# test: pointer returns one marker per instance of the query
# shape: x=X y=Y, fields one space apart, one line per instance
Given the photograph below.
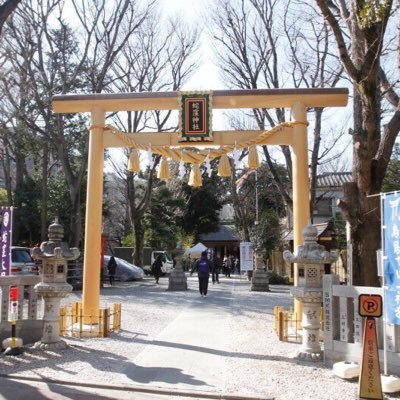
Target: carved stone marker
x=259 y=280
x=177 y=278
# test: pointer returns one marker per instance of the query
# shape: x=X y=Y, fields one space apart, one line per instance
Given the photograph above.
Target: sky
x=206 y=77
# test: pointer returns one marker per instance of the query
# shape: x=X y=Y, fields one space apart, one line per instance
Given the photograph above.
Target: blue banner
x=6 y=235
x=391 y=249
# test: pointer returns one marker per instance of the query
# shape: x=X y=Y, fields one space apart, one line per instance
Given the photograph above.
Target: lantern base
x=177 y=280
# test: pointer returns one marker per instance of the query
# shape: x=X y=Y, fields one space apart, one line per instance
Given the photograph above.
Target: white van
x=149 y=256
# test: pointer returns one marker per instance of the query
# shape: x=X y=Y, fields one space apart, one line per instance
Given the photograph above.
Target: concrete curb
x=137 y=388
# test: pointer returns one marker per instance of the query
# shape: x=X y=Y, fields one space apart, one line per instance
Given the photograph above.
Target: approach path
x=178 y=345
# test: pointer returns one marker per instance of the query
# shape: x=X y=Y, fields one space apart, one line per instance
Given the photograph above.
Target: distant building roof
x=224 y=234
x=322 y=229
x=333 y=179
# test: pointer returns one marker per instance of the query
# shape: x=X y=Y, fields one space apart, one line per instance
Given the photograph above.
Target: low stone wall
x=29 y=323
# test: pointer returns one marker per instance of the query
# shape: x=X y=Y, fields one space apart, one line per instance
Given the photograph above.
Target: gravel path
x=256 y=363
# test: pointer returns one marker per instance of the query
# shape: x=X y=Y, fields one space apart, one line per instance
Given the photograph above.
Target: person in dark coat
x=203 y=266
x=217 y=265
x=111 y=267
x=156 y=268
x=228 y=266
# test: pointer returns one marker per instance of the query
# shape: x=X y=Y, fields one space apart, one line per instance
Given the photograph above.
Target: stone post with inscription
x=54 y=255
x=259 y=280
x=177 y=279
x=310 y=258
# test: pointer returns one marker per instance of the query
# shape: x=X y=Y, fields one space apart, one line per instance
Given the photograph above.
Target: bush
x=276 y=279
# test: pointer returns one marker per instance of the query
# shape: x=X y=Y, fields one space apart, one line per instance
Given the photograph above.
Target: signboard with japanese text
x=391 y=252
x=5 y=245
x=195 y=111
x=246 y=256
x=369 y=384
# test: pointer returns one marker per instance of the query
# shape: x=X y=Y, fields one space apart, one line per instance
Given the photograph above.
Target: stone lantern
x=54 y=256
x=310 y=258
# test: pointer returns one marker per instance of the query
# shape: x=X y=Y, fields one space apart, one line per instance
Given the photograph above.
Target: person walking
x=228 y=267
x=217 y=265
x=203 y=266
x=111 y=267
x=156 y=268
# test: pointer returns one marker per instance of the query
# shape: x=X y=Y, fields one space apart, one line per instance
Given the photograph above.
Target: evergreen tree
x=202 y=207
x=391 y=182
x=162 y=229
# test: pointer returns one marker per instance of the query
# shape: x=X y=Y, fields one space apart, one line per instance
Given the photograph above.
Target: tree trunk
x=139 y=241
x=75 y=223
x=6 y=9
x=6 y=161
x=19 y=184
x=363 y=213
x=44 y=193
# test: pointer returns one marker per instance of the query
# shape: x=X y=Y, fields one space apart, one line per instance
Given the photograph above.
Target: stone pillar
x=259 y=280
x=310 y=258
x=54 y=255
x=177 y=278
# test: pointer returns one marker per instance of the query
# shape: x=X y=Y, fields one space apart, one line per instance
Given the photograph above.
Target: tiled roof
x=224 y=234
x=321 y=228
x=333 y=179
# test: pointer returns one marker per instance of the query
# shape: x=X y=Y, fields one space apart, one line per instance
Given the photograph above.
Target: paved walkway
x=186 y=360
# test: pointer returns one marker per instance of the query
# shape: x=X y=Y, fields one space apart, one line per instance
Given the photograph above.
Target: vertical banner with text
x=391 y=252
x=6 y=235
x=246 y=256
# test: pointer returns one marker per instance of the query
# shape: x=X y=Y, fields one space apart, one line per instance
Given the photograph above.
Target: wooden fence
x=74 y=323
x=287 y=324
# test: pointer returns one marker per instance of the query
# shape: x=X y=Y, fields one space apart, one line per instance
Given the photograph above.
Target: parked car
x=22 y=262
x=125 y=271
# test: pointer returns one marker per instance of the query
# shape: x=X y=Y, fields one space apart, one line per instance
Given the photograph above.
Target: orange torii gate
x=295 y=135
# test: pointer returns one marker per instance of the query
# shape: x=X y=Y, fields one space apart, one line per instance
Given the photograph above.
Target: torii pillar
x=301 y=187
x=93 y=220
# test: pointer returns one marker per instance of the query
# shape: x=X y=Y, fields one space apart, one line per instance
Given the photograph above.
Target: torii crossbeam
x=298 y=100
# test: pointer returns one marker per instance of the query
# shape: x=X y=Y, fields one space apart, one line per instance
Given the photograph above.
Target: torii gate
x=298 y=100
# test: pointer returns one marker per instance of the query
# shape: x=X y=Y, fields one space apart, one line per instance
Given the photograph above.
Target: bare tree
x=155 y=60
x=360 y=30
x=257 y=48
x=60 y=58
x=312 y=65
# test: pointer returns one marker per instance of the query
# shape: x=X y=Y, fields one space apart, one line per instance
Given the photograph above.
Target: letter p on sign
x=370 y=305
